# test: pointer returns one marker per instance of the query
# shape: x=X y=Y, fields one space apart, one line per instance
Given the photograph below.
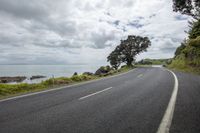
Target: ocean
x=44 y=70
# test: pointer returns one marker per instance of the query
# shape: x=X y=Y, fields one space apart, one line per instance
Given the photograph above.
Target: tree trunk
x=129 y=62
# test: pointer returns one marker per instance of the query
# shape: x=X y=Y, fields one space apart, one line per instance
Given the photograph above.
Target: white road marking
x=167 y=118
x=95 y=93
x=140 y=75
x=64 y=87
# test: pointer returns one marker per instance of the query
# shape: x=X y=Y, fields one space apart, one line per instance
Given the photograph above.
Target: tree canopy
x=114 y=59
x=127 y=50
x=188 y=7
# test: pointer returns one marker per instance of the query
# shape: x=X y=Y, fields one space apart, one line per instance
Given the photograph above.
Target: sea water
x=44 y=70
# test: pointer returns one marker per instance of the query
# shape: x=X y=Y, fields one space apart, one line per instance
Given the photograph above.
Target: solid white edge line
x=165 y=124
x=95 y=93
x=54 y=89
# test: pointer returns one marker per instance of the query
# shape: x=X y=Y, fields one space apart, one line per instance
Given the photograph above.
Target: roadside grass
x=187 y=59
x=9 y=90
x=181 y=64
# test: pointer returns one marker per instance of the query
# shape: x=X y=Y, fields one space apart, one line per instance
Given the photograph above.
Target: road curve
x=132 y=102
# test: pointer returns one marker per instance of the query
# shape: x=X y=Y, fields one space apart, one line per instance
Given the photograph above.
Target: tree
x=128 y=49
x=188 y=7
x=194 y=30
x=114 y=59
x=180 y=48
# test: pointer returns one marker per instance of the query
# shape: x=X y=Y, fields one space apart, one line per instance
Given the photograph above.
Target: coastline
x=11 y=90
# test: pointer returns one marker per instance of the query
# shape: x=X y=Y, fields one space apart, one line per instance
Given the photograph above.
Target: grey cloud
x=102 y=39
x=116 y=22
x=136 y=24
x=24 y=9
x=39 y=15
x=65 y=28
x=153 y=15
x=48 y=31
x=58 y=43
x=165 y=45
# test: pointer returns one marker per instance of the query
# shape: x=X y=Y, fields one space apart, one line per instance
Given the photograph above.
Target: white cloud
x=84 y=32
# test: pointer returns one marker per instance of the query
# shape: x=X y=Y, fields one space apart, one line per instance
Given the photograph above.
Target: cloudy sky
x=84 y=31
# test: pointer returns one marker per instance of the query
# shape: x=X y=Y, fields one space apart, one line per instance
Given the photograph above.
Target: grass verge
x=180 y=63
x=9 y=90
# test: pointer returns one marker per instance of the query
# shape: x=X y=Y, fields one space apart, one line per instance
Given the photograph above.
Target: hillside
x=187 y=56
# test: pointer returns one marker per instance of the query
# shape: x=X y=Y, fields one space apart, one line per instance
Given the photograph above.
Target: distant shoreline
x=7 y=90
x=18 y=79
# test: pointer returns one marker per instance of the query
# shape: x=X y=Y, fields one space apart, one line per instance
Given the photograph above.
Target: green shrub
x=195 y=42
x=62 y=80
x=78 y=78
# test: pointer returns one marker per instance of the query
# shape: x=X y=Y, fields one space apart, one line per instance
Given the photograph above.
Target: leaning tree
x=114 y=59
x=128 y=49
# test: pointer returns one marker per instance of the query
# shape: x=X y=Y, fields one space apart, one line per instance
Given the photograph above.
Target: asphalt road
x=134 y=102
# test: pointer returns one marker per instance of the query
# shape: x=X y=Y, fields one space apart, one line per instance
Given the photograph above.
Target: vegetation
x=188 y=7
x=194 y=30
x=180 y=48
x=115 y=59
x=16 y=89
x=187 y=56
x=127 y=50
x=124 y=53
x=154 y=62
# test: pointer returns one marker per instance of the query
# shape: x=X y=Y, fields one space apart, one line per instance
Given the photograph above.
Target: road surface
x=135 y=102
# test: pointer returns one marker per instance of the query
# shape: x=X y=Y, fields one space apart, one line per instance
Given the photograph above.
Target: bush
x=103 y=70
x=78 y=78
x=195 y=29
x=195 y=42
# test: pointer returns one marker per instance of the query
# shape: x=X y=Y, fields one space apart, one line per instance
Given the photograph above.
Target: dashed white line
x=167 y=118
x=95 y=93
x=140 y=75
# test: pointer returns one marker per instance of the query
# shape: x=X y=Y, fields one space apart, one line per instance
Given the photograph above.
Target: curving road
x=135 y=102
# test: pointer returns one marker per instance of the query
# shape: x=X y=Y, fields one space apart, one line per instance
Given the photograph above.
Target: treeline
x=187 y=55
x=154 y=62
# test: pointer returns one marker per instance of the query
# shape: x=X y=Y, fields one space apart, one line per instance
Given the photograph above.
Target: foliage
x=195 y=42
x=180 y=48
x=60 y=80
x=6 y=89
x=125 y=68
x=103 y=70
x=194 y=30
x=114 y=59
x=187 y=56
x=188 y=59
x=128 y=49
x=181 y=63
x=12 y=89
x=188 y=7
x=153 y=62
